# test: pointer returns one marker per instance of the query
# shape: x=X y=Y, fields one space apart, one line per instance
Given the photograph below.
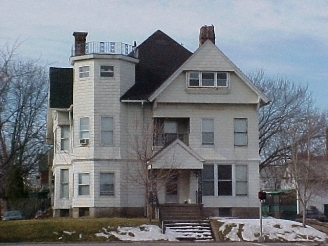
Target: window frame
x=233 y=178
x=206 y=132
x=84 y=71
x=209 y=180
x=64 y=184
x=65 y=138
x=107 y=73
x=83 y=185
x=109 y=131
x=104 y=192
x=225 y=180
x=84 y=131
x=240 y=132
x=199 y=77
x=241 y=180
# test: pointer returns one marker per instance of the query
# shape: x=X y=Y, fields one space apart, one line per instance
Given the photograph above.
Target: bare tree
x=308 y=167
x=289 y=103
x=23 y=97
x=141 y=154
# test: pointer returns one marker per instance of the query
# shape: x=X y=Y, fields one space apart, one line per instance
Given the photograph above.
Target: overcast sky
x=285 y=38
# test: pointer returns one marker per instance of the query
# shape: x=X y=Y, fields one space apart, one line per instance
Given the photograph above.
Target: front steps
x=187 y=221
x=191 y=231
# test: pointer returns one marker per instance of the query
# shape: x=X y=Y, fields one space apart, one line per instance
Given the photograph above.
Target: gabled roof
x=177 y=155
x=159 y=57
x=229 y=67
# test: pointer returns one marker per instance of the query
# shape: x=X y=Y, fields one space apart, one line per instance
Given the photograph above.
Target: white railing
x=117 y=48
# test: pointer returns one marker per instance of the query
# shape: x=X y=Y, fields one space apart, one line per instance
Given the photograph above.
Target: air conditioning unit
x=84 y=141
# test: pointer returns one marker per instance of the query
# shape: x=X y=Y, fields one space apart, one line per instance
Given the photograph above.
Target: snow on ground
x=272 y=229
x=233 y=229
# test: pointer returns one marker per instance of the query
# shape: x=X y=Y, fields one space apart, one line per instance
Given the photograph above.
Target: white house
x=204 y=106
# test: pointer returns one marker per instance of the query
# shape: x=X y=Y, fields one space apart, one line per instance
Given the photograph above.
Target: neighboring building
x=204 y=106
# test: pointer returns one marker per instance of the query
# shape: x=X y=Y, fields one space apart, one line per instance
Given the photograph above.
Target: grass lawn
x=62 y=230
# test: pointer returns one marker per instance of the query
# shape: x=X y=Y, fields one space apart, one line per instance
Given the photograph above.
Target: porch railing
x=167 y=138
x=117 y=48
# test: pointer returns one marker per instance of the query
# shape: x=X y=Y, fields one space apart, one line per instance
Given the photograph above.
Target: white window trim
x=81 y=184
x=110 y=72
x=62 y=183
x=84 y=74
x=207 y=144
x=233 y=179
x=101 y=131
x=62 y=138
x=239 y=133
x=215 y=85
x=107 y=195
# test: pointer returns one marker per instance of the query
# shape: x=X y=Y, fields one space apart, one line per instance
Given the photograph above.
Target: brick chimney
x=206 y=32
x=80 y=38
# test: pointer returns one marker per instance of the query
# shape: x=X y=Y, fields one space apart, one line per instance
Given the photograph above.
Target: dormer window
x=208 y=79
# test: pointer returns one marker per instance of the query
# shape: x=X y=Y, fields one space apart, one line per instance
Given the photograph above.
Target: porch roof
x=177 y=155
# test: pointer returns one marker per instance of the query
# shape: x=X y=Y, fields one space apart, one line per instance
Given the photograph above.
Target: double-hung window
x=207 y=132
x=107 y=127
x=241 y=180
x=64 y=183
x=84 y=184
x=224 y=180
x=84 y=72
x=64 y=138
x=106 y=71
x=208 y=79
x=107 y=184
x=240 y=132
x=208 y=180
x=84 y=130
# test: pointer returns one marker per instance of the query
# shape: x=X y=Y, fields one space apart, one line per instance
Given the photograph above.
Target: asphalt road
x=170 y=243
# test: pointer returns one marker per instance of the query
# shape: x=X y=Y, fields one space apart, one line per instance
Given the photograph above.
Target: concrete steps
x=186 y=220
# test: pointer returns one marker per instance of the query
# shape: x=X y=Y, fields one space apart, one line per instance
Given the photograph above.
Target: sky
x=272 y=229
x=285 y=39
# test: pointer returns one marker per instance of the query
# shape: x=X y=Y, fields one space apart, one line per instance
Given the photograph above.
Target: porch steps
x=191 y=231
x=187 y=221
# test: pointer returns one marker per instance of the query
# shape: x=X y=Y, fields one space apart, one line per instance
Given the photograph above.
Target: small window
x=194 y=79
x=207 y=132
x=208 y=79
x=64 y=183
x=225 y=212
x=84 y=72
x=222 y=79
x=208 y=180
x=240 y=132
x=224 y=180
x=106 y=71
x=107 y=184
x=84 y=184
x=107 y=127
x=64 y=138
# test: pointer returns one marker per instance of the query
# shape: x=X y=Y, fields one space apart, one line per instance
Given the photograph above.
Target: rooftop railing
x=116 y=48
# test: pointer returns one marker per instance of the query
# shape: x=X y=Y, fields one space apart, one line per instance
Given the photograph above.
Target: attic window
x=207 y=79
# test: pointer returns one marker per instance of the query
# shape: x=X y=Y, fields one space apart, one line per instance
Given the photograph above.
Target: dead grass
x=62 y=230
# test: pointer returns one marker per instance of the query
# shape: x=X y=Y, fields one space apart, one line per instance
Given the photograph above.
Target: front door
x=171 y=190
